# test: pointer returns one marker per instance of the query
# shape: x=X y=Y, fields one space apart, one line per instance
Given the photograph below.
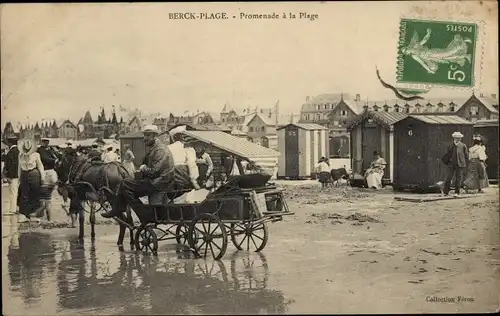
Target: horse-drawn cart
x=240 y=210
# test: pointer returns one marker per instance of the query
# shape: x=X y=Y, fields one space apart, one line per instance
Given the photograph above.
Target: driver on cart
x=156 y=174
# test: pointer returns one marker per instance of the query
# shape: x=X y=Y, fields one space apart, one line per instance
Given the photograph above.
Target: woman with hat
x=31 y=177
x=128 y=159
x=476 y=170
x=185 y=168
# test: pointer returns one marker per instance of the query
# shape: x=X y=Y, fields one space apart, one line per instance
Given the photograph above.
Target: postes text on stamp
x=436 y=52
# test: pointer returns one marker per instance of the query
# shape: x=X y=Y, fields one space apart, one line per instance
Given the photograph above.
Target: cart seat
x=165 y=197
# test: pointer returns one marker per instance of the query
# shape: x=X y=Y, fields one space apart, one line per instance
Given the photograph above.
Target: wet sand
x=344 y=251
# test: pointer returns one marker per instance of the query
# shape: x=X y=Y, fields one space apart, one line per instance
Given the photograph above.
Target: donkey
x=95 y=182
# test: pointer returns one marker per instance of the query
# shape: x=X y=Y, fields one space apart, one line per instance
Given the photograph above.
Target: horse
x=97 y=183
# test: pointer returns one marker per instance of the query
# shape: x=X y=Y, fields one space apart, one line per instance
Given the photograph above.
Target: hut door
x=371 y=143
x=411 y=155
x=292 y=153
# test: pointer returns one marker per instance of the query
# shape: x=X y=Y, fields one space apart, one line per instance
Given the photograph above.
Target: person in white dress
x=185 y=167
x=109 y=155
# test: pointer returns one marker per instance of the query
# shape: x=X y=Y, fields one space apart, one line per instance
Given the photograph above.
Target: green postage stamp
x=437 y=53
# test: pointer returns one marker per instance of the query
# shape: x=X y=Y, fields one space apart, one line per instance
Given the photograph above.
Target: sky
x=60 y=60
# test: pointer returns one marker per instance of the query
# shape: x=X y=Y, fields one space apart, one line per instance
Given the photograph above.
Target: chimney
x=307 y=98
x=480 y=95
x=358 y=97
x=494 y=96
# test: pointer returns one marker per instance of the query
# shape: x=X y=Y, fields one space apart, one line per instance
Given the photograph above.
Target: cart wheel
x=182 y=236
x=146 y=240
x=211 y=235
x=249 y=236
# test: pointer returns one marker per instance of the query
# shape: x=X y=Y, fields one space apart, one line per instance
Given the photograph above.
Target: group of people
x=470 y=163
x=31 y=176
x=373 y=175
x=175 y=168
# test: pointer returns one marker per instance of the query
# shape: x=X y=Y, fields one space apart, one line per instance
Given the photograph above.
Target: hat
x=151 y=129
x=95 y=145
x=45 y=139
x=457 y=135
x=177 y=130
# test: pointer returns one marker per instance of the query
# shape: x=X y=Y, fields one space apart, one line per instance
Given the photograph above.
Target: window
x=474 y=110
x=375 y=108
x=223 y=120
x=386 y=108
x=452 y=107
x=326 y=106
x=318 y=116
x=396 y=109
x=343 y=113
x=262 y=129
x=250 y=129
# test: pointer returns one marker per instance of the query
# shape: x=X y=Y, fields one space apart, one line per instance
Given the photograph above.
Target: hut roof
x=385 y=119
x=306 y=126
x=440 y=119
x=482 y=123
x=138 y=134
x=204 y=127
x=232 y=144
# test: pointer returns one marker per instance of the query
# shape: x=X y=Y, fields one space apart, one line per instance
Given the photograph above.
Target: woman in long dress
x=323 y=170
x=31 y=177
x=476 y=171
x=128 y=159
x=374 y=174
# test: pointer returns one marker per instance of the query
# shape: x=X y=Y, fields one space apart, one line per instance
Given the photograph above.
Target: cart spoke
x=201 y=245
x=248 y=243
x=220 y=248
x=241 y=242
x=253 y=241
x=206 y=249
x=213 y=254
x=258 y=237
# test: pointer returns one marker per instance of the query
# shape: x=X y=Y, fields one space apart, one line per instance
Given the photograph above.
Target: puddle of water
x=43 y=274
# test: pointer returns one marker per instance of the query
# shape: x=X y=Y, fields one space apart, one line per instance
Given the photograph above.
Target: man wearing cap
x=10 y=172
x=94 y=153
x=455 y=159
x=157 y=173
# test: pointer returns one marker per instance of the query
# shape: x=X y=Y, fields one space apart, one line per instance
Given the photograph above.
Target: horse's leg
x=130 y=220
x=81 y=220
x=121 y=235
x=92 y=220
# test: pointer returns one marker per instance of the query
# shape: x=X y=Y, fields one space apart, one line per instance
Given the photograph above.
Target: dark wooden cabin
x=373 y=131
x=488 y=129
x=420 y=143
x=136 y=142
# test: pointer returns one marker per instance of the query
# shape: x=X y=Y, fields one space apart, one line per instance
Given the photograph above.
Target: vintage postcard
x=250 y=157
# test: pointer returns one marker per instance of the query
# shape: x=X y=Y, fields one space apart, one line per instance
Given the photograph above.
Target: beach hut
x=136 y=142
x=301 y=146
x=420 y=142
x=488 y=129
x=373 y=131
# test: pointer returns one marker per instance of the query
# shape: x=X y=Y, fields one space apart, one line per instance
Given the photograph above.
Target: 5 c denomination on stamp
x=437 y=52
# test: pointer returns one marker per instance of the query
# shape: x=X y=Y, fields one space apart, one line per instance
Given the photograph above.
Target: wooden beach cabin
x=301 y=146
x=373 y=131
x=488 y=129
x=421 y=141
